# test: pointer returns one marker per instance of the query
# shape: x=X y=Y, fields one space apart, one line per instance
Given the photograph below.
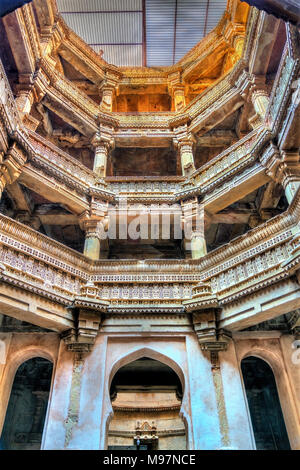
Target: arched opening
x=266 y=415
x=27 y=406
x=146 y=397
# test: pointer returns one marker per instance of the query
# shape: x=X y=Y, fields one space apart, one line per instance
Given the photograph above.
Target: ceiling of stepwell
x=142 y=32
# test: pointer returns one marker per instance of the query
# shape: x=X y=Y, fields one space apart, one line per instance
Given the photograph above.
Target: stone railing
x=222 y=167
x=257 y=259
x=54 y=157
x=281 y=89
x=145 y=186
x=64 y=86
x=37 y=263
x=227 y=163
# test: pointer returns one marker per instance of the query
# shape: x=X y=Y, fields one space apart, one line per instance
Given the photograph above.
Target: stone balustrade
x=257 y=259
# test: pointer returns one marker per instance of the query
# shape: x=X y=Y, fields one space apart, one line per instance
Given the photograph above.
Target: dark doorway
x=26 y=411
x=264 y=405
x=146 y=397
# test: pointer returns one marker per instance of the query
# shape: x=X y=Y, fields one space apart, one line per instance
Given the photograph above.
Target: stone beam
x=287 y=10
x=25 y=306
x=264 y=305
x=234 y=190
x=290 y=136
x=19 y=43
x=69 y=113
x=230 y=217
x=212 y=117
x=45 y=17
x=262 y=48
x=40 y=183
x=81 y=62
x=58 y=219
x=217 y=138
x=17 y=195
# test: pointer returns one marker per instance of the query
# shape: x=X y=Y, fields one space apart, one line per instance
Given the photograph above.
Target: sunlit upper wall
x=137 y=33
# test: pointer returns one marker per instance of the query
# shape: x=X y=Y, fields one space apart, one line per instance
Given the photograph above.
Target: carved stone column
x=187 y=157
x=95 y=224
x=260 y=99
x=107 y=99
x=100 y=160
x=102 y=142
x=178 y=98
x=193 y=227
x=92 y=241
x=177 y=91
x=198 y=245
x=290 y=173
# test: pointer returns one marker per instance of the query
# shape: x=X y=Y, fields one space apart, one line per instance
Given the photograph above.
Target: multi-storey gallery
x=150 y=227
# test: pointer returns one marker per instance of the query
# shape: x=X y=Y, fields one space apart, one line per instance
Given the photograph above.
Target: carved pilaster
x=75 y=392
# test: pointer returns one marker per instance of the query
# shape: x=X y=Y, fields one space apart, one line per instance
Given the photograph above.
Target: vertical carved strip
x=218 y=384
x=74 y=403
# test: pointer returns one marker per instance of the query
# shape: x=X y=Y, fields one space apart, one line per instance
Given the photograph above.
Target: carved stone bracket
x=82 y=337
x=204 y=308
x=11 y=166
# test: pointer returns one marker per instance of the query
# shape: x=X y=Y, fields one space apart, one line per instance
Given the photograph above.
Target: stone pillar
x=259 y=97
x=193 y=227
x=239 y=428
x=178 y=98
x=198 y=245
x=106 y=104
x=100 y=160
x=186 y=157
x=260 y=100
x=290 y=173
x=92 y=239
x=56 y=425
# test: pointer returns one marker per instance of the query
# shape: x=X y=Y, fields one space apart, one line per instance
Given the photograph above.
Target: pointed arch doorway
x=27 y=406
x=146 y=397
x=264 y=405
